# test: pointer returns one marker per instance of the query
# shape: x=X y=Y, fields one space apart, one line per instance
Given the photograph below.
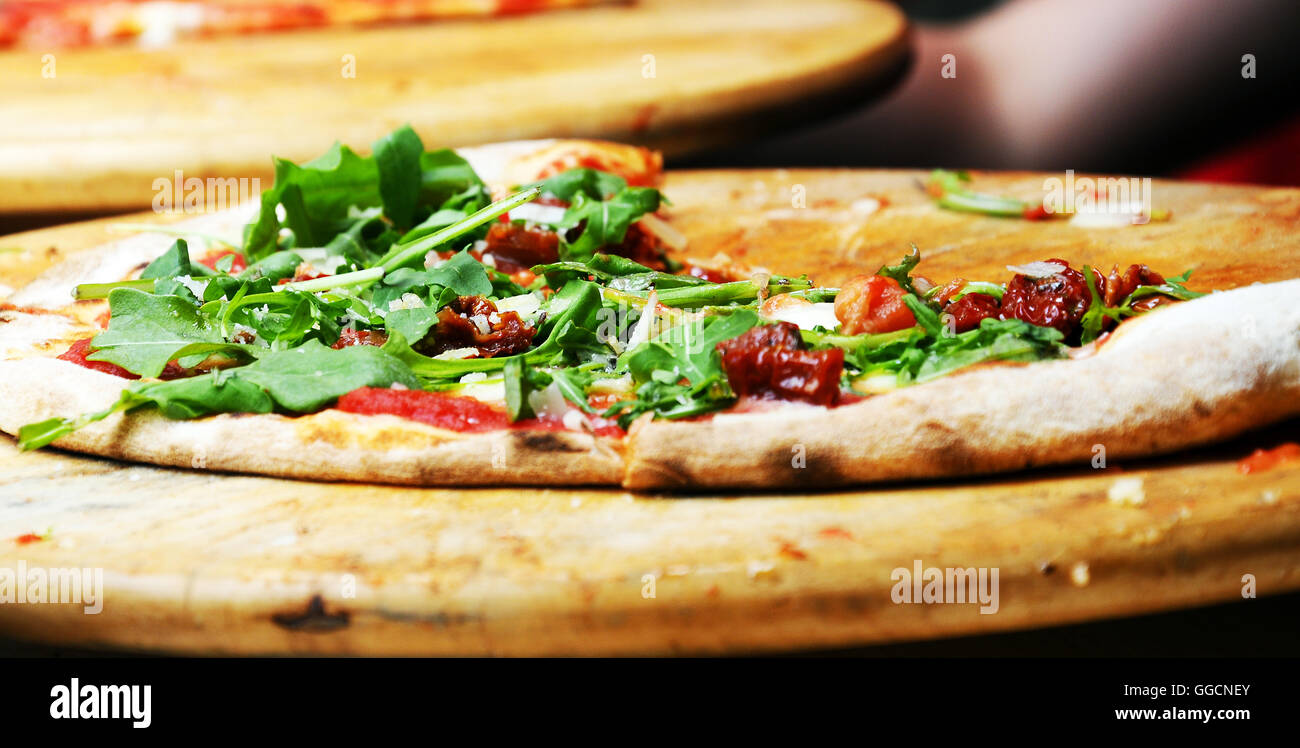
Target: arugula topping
x=953 y=192
x=902 y=272
x=299 y=380
x=1094 y=319
x=146 y=331
x=602 y=204
x=679 y=374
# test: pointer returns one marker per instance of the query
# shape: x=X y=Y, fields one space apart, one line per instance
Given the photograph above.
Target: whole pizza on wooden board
x=521 y=314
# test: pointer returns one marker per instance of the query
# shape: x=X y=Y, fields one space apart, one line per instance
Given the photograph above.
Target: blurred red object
x=1272 y=159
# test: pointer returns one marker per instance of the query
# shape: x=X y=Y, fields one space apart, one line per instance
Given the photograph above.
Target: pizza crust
x=330 y=445
x=1184 y=375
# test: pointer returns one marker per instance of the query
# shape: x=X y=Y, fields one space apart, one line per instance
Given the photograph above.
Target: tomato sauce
x=80 y=350
x=1267 y=459
x=238 y=265
x=451 y=412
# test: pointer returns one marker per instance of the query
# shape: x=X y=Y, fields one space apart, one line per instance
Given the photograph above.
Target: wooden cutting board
x=204 y=563
x=674 y=75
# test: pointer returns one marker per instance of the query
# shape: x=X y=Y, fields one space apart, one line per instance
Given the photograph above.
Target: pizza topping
x=81 y=350
x=1267 y=459
x=349 y=337
x=1056 y=299
x=434 y=408
x=1086 y=206
x=770 y=361
x=474 y=322
x=217 y=260
x=520 y=246
x=418 y=291
x=1118 y=286
x=872 y=304
x=971 y=309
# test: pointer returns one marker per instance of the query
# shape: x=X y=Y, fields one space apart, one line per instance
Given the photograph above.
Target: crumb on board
x=1127 y=491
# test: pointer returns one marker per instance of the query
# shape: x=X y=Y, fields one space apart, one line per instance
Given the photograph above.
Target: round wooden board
x=674 y=75
x=205 y=563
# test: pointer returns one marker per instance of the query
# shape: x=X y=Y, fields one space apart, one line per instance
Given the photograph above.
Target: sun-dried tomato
x=350 y=337
x=1118 y=287
x=474 y=322
x=769 y=362
x=1058 y=300
x=517 y=247
x=971 y=309
x=639 y=245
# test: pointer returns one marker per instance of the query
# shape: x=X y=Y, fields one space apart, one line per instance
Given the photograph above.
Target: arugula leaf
x=993 y=340
x=575 y=305
x=300 y=380
x=447 y=180
x=902 y=272
x=461 y=275
x=520 y=381
x=926 y=317
x=605 y=221
x=717 y=294
x=274 y=267
x=311 y=376
x=680 y=373
x=175 y=261
x=146 y=331
x=568 y=184
x=316 y=197
x=953 y=193
x=616 y=272
x=411 y=324
x=397 y=156
x=1171 y=287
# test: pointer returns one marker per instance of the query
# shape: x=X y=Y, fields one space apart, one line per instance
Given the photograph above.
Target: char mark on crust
x=547 y=441
x=314 y=619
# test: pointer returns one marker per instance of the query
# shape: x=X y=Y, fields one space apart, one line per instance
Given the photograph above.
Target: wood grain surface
x=96 y=133
x=205 y=563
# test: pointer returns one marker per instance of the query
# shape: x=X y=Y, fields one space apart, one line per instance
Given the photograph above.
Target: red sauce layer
x=79 y=351
x=452 y=412
x=238 y=265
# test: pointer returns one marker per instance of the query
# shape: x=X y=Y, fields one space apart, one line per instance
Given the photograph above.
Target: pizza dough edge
x=1190 y=374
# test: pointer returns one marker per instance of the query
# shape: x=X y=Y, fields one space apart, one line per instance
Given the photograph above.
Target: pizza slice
x=44 y=24
x=520 y=314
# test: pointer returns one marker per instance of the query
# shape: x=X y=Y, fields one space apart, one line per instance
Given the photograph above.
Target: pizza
x=521 y=313
x=44 y=24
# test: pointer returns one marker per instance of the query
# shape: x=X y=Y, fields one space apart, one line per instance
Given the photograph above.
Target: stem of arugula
x=400 y=255
x=356 y=277
x=102 y=290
